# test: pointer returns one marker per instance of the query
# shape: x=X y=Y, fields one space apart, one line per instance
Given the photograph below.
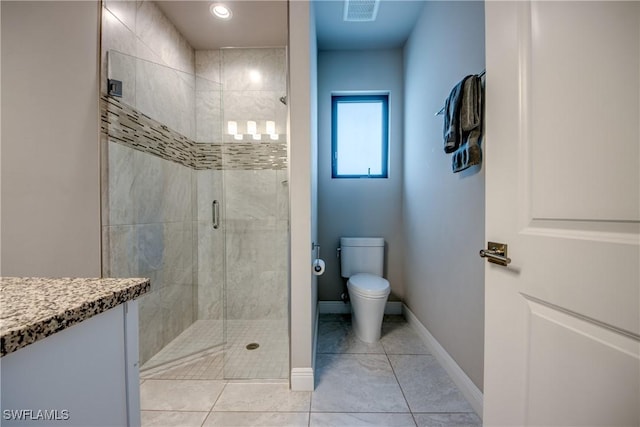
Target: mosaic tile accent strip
x=127 y=126
x=207 y=156
x=34 y=308
x=252 y=156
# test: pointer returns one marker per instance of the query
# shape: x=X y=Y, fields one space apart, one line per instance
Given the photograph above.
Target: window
x=359 y=136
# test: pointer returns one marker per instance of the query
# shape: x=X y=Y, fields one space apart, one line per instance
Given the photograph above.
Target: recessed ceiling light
x=220 y=11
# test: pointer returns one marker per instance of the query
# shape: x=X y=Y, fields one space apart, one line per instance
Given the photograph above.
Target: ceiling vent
x=360 y=10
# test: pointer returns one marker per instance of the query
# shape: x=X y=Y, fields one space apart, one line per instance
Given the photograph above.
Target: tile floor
x=200 y=336
x=197 y=353
x=270 y=360
x=394 y=382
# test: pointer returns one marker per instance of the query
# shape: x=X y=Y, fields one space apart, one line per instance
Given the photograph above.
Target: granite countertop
x=32 y=308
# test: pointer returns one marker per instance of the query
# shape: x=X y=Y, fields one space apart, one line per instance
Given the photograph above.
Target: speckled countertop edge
x=33 y=308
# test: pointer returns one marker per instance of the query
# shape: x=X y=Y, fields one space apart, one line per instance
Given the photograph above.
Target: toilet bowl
x=362 y=261
x=368 y=294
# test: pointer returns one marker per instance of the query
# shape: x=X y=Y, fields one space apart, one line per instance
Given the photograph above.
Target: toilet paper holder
x=318 y=264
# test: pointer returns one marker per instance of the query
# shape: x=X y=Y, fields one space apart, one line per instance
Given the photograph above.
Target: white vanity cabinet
x=84 y=375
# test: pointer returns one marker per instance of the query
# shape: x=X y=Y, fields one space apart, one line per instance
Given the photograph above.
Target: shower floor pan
x=199 y=353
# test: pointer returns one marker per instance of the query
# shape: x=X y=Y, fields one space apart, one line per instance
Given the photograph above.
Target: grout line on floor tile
x=205 y=419
x=218 y=398
x=399 y=385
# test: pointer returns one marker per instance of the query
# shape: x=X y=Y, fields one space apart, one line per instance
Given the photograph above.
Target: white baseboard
x=302 y=379
x=464 y=383
x=338 y=307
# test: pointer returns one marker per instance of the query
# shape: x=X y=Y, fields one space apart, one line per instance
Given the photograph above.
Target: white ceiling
x=259 y=23
x=255 y=23
x=392 y=27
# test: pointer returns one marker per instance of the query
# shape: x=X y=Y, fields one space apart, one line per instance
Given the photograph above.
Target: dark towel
x=467 y=155
x=452 y=106
x=468 y=151
x=471 y=104
x=462 y=111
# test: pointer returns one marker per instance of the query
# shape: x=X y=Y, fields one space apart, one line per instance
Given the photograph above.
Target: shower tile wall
x=149 y=203
x=208 y=97
x=256 y=206
x=168 y=96
x=254 y=80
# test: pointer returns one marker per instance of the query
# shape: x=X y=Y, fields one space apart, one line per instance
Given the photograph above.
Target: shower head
x=283 y=99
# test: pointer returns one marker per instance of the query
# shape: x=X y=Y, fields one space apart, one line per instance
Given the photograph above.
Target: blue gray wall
x=360 y=207
x=443 y=213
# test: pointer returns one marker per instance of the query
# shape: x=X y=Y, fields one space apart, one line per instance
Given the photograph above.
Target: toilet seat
x=369 y=285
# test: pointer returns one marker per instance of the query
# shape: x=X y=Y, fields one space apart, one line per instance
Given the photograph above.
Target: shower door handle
x=215 y=214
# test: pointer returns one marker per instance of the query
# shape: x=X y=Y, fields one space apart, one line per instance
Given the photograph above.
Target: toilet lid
x=369 y=285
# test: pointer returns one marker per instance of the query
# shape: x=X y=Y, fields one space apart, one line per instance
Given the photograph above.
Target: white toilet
x=362 y=261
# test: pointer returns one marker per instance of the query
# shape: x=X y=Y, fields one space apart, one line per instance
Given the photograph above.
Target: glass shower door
x=161 y=148
x=256 y=212
x=209 y=230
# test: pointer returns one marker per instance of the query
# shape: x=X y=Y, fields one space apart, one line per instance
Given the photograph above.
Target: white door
x=563 y=191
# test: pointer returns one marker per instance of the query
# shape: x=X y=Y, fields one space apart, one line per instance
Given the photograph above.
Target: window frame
x=356 y=98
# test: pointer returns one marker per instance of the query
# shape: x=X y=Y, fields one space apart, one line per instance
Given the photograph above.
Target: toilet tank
x=361 y=255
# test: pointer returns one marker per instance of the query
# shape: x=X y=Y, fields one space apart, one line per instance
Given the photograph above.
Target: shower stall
x=195 y=196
